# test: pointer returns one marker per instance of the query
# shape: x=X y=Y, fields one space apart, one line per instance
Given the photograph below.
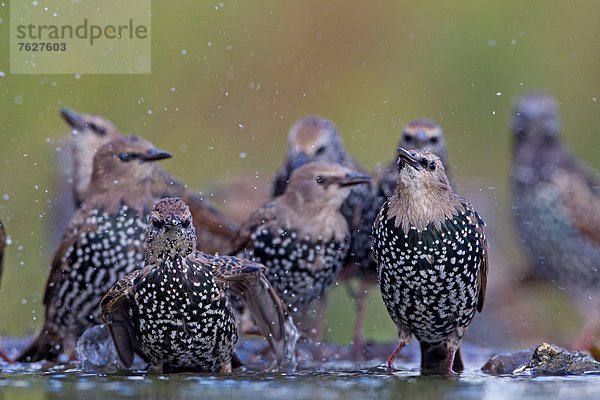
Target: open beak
x=74 y=119
x=354 y=178
x=406 y=158
x=155 y=155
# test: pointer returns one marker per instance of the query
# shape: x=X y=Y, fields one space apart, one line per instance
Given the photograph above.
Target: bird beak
x=421 y=137
x=299 y=159
x=155 y=155
x=407 y=158
x=354 y=178
x=74 y=119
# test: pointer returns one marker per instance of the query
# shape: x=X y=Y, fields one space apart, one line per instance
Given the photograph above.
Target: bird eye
x=97 y=129
x=434 y=140
x=321 y=179
x=320 y=151
x=126 y=157
x=407 y=138
x=432 y=166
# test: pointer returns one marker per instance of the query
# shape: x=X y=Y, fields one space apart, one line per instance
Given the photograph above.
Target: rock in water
x=549 y=359
x=96 y=350
x=506 y=363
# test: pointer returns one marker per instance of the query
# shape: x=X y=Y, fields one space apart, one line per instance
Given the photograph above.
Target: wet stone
x=549 y=359
x=546 y=359
x=506 y=363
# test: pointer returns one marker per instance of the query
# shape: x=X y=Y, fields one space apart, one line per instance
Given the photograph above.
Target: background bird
x=174 y=311
x=104 y=242
x=302 y=236
x=557 y=208
x=431 y=256
x=215 y=231
x=316 y=138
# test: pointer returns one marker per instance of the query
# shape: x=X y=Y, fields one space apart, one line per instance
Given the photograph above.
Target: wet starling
x=557 y=208
x=214 y=230
x=431 y=256
x=301 y=236
x=417 y=134
x=104 y=242
x=174 y=311
x=317 y=139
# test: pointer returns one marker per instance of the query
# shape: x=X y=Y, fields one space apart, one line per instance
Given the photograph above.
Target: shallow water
x=330 y=384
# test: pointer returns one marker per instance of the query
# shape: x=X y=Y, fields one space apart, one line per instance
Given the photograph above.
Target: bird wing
x=115 y=306
x=60 y=266
x=582 y=203
x=483 y=269
x=281 y=180
x=247 y=280
x=261 y=216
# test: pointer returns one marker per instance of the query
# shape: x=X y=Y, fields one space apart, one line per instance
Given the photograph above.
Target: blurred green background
x=229 y=78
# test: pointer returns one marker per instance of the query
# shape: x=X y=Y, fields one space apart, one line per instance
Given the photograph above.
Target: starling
x=431 y=256
x=103 y=243
x=417 y=134
x=316 y=138
x=301 y=236
x=557 y=208
x=174 y=311
x=215 y=231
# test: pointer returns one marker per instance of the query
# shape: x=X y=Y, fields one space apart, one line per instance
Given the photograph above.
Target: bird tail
x=44 y=347
x=439 y=359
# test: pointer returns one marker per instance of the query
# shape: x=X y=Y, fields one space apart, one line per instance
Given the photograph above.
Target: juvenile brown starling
x=104 y=242
x=557 y=208
x=301 y=236
x=431 y=256
x=417 y=134
x=174 y=311
x=214 y=230
x=317 y=139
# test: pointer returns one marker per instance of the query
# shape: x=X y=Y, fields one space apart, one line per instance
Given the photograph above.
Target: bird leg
x=390 y=360
x=5 y=357
x=358 y=342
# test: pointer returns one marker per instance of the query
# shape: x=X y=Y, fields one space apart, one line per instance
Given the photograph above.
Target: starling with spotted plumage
x=174 y=312
x=103 y=243
x=557 y=208
x=301 y=236
x=215 y=231
x=420 y=133
x=431 y=256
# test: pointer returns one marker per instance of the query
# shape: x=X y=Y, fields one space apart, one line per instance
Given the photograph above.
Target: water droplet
x=492 y=42
x=243 y=155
